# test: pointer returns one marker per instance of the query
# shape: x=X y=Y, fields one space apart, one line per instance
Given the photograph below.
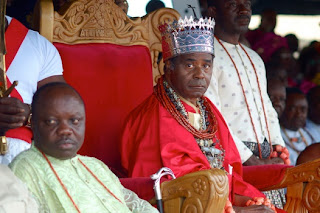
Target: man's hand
x=253 y=209
x=253 y=161
x=13 y=114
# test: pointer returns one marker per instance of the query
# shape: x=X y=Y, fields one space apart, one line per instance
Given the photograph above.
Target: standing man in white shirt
x=238 y=87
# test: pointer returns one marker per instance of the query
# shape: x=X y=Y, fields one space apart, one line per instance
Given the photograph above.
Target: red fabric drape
x=112 y=80
x=153 y=139
x=15 y=35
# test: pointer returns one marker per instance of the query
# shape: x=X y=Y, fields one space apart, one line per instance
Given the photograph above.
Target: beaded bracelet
x=281 y=152
x=261 y=201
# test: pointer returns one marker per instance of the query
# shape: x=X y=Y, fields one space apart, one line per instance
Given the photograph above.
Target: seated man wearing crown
x=179 y=128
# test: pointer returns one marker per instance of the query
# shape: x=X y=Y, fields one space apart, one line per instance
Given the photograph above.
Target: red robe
x=152 y=139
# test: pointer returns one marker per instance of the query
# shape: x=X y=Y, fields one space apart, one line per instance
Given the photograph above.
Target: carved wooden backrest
x=102 y=21
x=303 y=188
x=202 y=191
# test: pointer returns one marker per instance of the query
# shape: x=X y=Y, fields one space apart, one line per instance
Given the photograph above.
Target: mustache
x=198 y=83
x=64 y=140
x=243 y=17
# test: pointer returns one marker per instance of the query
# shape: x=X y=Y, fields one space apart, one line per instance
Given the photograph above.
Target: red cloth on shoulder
x=15 y=35
x=152 y=138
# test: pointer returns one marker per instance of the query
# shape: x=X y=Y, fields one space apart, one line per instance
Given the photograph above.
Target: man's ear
x=168 y=66
x=212 y=12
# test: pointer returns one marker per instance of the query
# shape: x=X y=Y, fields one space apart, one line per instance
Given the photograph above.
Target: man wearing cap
x=177 y=126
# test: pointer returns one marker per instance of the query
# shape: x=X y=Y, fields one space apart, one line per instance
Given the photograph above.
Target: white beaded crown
x=187 y=36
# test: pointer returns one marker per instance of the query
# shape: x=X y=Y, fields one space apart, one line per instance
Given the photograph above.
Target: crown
x=187 y=36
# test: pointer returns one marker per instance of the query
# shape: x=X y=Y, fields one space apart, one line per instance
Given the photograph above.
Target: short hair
x=212 y=3
x=37 y=96
x=293 y=90
x=154 y=5
x=313 y=92
x=310 y=153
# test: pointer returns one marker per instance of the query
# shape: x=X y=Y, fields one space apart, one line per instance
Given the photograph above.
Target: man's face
x=269 y=20
x=277 y=94
x=233 y=16
x=295 y=113
x=190 y=75
x=59 y=126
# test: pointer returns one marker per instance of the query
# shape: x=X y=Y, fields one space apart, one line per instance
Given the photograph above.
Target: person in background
x=154 y=5
x=59 y=178
x=277 y=94
x=309 y=61
x=293 y=121
x=277 y=72
x=123 y=4
x=313 y=121
x=238 y=89
x=293 y=43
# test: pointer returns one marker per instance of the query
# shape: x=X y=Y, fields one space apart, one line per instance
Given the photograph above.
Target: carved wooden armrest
x=203 y=191
x=303 y=187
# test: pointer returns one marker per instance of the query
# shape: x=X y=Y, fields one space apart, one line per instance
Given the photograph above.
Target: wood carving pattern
x=299 y=175
x=192 y=205
x=220 y=185
x=311 y=196
x=203 y=191
x=318 y=171
x=101 y=20
x=200 y=186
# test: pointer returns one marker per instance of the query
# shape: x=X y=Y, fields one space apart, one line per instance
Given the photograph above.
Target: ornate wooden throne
x=113 y=61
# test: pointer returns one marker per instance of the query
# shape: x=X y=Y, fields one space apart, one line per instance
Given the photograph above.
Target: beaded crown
x=187 y=36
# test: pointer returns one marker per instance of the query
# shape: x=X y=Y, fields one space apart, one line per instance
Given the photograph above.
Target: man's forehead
x=196 y=56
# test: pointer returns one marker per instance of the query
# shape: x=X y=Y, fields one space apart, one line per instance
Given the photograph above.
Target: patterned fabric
x=265 y=148
x=225 y=92
x=277 y=197
x=88 y=194
x=14 y=195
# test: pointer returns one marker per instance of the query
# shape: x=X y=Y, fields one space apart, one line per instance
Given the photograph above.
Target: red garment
x=152 y=139
x=15 y=34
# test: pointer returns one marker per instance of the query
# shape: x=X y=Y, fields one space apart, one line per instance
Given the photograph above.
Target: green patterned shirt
x=88 y=194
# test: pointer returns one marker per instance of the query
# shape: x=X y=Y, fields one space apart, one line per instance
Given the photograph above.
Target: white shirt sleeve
x=51 y=64
x=213 y=94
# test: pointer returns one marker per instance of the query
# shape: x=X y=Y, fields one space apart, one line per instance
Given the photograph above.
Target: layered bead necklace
x=245 y=97
x=294 y=139
x=206 y=135
x=64 y=187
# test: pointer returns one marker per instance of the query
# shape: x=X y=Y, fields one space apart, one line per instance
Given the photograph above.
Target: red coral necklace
x=64 y=187
x=245 y=97
x=212 y=127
